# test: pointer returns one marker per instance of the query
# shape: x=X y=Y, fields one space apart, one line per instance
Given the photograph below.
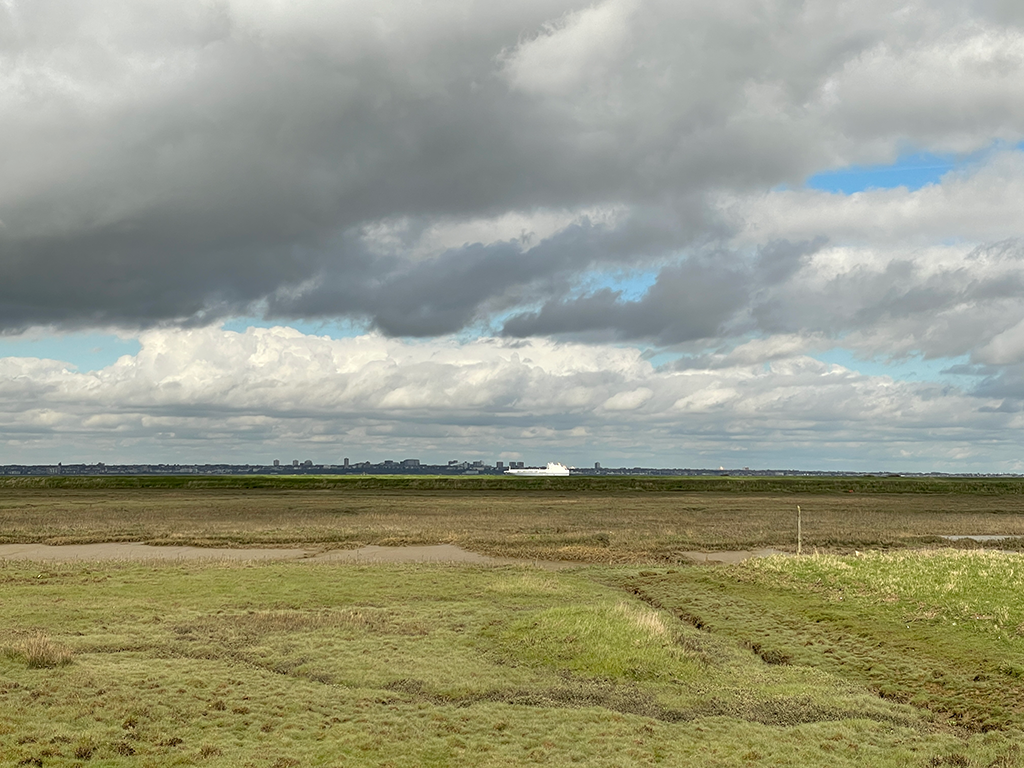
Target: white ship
x=553 y=469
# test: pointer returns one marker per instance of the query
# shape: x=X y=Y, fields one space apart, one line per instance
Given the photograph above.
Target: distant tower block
x=277 y=462
x=597 y=465
x=346 y=462
x=295 y=462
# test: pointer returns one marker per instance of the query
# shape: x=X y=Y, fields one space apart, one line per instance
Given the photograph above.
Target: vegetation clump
x=40 y=652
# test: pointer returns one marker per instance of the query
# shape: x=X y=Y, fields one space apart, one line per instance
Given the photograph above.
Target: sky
x=764 y=233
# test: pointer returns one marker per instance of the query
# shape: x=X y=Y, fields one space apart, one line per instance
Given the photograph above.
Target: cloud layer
x=602 y=181
x=275 y=392
x=181 y=163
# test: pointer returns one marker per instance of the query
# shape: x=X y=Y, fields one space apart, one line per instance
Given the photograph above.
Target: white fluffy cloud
x=276 y=391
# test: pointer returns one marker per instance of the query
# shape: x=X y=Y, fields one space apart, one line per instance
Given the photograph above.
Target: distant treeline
x=578 y=484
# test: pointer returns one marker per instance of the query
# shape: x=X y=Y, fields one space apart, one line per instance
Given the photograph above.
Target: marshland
x=883 y=644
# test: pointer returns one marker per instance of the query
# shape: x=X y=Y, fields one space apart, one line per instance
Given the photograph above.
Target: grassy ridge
x=943 y=631
x=602 y=484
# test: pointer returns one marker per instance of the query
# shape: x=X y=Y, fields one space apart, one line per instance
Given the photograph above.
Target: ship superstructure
x=553 y=469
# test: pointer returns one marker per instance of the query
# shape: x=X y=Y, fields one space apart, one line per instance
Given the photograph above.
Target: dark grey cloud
x=907 y=305
x=1007 y=385
x=690 y=301
x=460 y=286
x=177 y=163
x=693 y=300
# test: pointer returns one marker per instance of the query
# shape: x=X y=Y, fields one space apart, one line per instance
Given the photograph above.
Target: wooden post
x=799 y=533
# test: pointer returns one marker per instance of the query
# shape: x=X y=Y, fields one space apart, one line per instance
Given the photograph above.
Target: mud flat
x=134 y=551
x=980 y=537
x=435 y=553
x=730 y=557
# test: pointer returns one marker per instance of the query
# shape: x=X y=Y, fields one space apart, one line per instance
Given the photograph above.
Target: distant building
x=500 y=465
x=597 y=465
x=346 y=462
x=277 y=462
x=410 y=462
x=295 y=462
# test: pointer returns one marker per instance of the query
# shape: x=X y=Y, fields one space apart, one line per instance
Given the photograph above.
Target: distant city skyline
x=412 y=467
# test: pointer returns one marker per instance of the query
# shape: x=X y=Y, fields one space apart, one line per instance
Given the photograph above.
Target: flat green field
x=891 y=656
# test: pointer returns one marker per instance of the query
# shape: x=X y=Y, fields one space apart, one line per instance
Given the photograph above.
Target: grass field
x=804 y=661
x=889 y=656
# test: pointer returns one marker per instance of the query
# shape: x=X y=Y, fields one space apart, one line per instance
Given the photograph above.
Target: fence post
x=799 y=532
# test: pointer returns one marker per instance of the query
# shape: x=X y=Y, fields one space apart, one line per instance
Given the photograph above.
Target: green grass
x=938 y=630
x=287 y=664
x=977 y=590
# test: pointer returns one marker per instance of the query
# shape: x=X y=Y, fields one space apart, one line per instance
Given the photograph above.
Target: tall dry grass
x=40 y=652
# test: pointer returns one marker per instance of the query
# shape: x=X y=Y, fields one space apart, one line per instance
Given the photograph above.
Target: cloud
x=976 y=205
x=906 y=87
x=577 y=49
x=628 y=401
x=176 y=164
x=211 y=394
x=451 y=170
x=696 y=299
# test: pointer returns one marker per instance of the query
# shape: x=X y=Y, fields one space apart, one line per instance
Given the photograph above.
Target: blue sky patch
x=910 y=171
x=86 y=351
x=907 y=369
x=632 y=284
